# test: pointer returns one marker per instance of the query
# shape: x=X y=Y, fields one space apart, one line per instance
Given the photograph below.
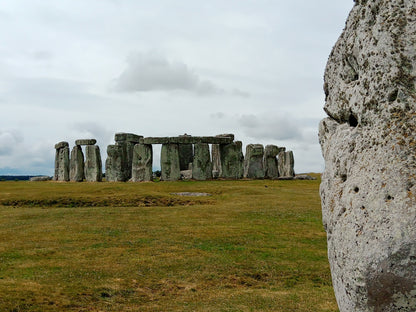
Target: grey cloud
x=217 y=115
x=151 y=72
x=270 y=127
x=9 y=140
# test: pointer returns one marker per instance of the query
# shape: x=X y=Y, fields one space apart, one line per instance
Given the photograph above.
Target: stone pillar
x=201 y=165
x=186 y=154
x=93 y=165
x=286 y=164
x=142 y=163
x=232 y=160
x=271 y=170
x=127 y=141
x=253 y=161
x=76 y=164
x=115 y=164
x=169 y=162
x=216 y=157
x=61 y=162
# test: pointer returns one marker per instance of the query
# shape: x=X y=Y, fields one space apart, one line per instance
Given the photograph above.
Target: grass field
x=251 y=246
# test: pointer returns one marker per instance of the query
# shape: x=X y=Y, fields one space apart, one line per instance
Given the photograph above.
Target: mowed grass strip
x=251 y=246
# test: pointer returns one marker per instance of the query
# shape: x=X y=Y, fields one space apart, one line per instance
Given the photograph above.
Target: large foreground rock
x=368 y=142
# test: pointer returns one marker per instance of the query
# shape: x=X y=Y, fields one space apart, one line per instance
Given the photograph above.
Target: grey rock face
x=85 y=142
x=201 y=166
x=61 y=162
x=127 y=137
x=76 y=164
x=368 y=142
x=232 y=160
x=115 y=164
x=286 y=164
x=169 y=162
x=186 y=154
x=93 y=165
x=270 y=161
x=186 y=174
x=253 y=161
x=142 y=163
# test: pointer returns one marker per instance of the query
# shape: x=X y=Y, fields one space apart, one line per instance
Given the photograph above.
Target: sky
x=73 y=69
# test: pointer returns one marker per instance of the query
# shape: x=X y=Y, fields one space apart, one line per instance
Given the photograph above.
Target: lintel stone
x=187 y=140
x=86 y=142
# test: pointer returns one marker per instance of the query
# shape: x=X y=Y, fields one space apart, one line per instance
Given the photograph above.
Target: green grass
x=251 y=246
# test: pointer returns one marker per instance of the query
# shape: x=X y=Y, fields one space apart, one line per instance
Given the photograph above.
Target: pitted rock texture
x=115 y=164
x=286 y=164
x=368 y=142
x=142 y=163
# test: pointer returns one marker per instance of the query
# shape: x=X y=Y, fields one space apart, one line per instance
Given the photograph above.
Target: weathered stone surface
x=286 y=164
x=127 y=137
x=232 y=160
x=85 y=142
x=253 y=161
x=76 y=164
x=115 y=164
x=93 y=164
x=62 y=162
x=368 y=142
x=201 y=166
x=216 y=157
x=169 y=162
x=142 y=163
x=186 y=174
x=40 y=179
x=270 y=161
x=186 y=154
x=186 y=140
x=61 y=145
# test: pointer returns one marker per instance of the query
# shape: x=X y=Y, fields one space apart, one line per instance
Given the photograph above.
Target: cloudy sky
x=73 y=69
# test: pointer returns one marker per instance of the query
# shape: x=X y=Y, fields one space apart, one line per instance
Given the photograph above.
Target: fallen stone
x=368 y=142
x=201 y=166
x=169 y=162
x=142 y=163
x=115 y=164
x=40 y=179
x=93 y=164
x=186 y=174
x=253 y=161
x=285 y=164
x=85 y=142
x=76 y=164
x=191 y=194
x=304 y=177
x=232 y=160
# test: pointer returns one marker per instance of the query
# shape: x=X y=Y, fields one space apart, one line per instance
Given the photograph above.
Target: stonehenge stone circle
x=169 y=162
x=61 y=162
x=115 y=164
x=285 y=164
x=76 y=164
x=93 y=165
x=270 y=161
x=253 y=161
x=202 y=166
x=142 y=163
x=368 y=142
x=232 y=160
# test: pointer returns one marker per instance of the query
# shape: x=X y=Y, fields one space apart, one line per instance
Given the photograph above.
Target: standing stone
x=127 y=141
x=115 y=164
x=169 y=162
x=76 y=164
x=186 y=154
x=61 y=162
x=93 y=165
x=142 y=163
x=232 y=160
x=369 y=145
x=253 y=161
x=270 y=161
x=216 y=157
x=286 y=164
x=201 y=166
